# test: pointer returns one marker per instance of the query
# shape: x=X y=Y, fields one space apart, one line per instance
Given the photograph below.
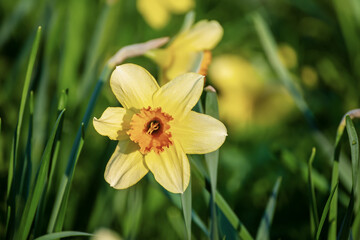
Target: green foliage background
x=78 y=37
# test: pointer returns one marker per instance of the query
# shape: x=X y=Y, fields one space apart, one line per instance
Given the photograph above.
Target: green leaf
x=64 y=234
x=314 y=218
x=60 y=205
x=39 y=184
x=187 y=209
x=325 y=211
x=132 y=219
x=58 y=212
x=334 y=182
x=345 y=229
x=356 y=226
x=354 y=147
x=242 y=232
x=11 y=191
x=28 y=76
x=263 y=232
x=212 y=159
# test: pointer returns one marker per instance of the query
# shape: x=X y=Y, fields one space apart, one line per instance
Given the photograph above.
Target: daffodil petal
x=180 y=95
x=179 y=7
x=204 y=35
x=126 y=166
x=133 y=86
x=154 y=13
x=170 y=168
x=199 y=133
x=114 y=122
x=182 y=63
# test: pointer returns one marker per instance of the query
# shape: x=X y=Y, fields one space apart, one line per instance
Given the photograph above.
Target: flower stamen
x=154 y=126
x=150 y=129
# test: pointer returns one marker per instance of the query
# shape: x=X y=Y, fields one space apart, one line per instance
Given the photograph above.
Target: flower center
x=150 y=129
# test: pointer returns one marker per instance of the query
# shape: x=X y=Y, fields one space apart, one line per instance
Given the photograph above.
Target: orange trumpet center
x=150 y=129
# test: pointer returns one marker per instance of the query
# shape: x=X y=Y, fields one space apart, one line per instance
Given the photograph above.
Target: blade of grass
x=334 y=182
x=64 y=234
x=326 y=211
x=263 y=232
x=354 y=147
x=269 y=45
x=195 y=217
x=345 y=229
x=356 y=226
x=11 y=191
x=59 y=209
x=212 y=159
x=187 y=209
x=36 y=193
x=26 y=165
x=47 y=200
x=132 y=219
x=242 y=232
x=27 y=83
x=314 y=218
x=61 y=106
x=58 y=213
x=347 y=19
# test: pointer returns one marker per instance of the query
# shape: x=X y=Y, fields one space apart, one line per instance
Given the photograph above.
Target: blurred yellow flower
x=287 y=55
x=157 y=12
x=156 y=128
x=309 y=76
x=244 y=96
x=187 y=48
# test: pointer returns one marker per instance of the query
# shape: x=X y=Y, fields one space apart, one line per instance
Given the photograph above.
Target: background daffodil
x=259 y=103
x=156 y=128
x=157 y=12
x=189 y=47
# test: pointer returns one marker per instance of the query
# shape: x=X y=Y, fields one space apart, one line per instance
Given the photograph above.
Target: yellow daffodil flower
x=258 y=103
x=157 y=12
x=156 y=128
x=186 y=49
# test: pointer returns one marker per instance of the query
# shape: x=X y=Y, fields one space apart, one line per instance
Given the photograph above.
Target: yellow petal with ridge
x=133 y=86
x=114 y=122
x=199 y=133
x=204 y=35
x=170 y=168
x=180 y=95
x=126 y=166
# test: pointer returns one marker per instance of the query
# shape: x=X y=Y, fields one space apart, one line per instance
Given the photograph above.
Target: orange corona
x=150 y=129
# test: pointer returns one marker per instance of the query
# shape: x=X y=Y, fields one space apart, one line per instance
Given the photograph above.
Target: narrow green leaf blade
x=325 y=211
x=212 y=159
x=39 y=184
x=59 y=209
x=263 y=232
x=64 y=234
x=187 y=209
x=345 y=229
x=242 y=232
x=332 y=232
x=314 y=218
x=27 y=82
x=354 y=147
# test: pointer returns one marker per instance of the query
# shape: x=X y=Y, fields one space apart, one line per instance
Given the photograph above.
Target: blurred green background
x=269 y=135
